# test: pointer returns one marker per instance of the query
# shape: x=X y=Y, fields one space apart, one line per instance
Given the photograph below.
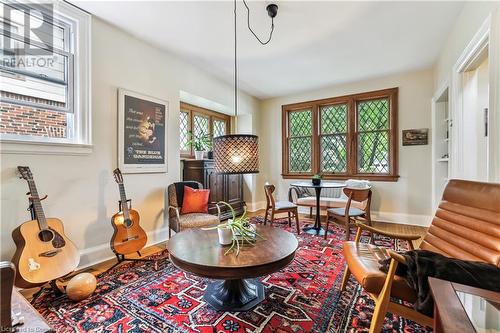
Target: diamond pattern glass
x=333 y=119
x=200 y=125
x=219 y=127
x=373 y=152
x=300 y=123
x=333 y=153
x=184 y=136
x=373 y=115
x=300 y=152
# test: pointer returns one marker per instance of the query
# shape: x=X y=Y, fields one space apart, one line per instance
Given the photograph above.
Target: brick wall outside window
x=26 y=120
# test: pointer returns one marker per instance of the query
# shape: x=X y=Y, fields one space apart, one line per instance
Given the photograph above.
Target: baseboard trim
x=103 y=252
x=255 y=206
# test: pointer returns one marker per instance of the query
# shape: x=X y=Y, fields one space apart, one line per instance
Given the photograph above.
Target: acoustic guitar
x=128 y=236
x=43 y=253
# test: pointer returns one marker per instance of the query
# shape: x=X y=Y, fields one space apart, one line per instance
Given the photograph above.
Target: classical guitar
x=128 y=236
x=43 y=253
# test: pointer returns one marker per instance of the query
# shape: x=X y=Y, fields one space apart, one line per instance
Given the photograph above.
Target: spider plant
x=243 y=232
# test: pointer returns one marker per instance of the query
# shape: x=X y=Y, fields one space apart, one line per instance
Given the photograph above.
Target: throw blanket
x=422 y=264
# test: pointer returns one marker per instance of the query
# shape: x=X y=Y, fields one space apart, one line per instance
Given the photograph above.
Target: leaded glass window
x=219 y=127
x=184 y=130
x=300 y=140
x=333 y=139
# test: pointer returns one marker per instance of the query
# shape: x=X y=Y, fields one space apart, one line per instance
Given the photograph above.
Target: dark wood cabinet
x=228 y=188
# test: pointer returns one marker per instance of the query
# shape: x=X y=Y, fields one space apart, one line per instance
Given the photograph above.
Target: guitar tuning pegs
x=28 y=193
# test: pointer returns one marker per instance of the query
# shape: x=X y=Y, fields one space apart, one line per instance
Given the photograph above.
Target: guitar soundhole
x=45 y=235
x=127 y=223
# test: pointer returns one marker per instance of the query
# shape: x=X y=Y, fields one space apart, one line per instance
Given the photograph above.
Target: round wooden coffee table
x=198 y=252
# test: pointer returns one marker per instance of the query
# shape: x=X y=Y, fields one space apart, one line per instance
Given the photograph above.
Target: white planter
x=198 y=154
x=225 y=236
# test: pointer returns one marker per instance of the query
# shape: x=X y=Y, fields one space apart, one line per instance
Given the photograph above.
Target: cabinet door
x=234 y=192
x=215 y=182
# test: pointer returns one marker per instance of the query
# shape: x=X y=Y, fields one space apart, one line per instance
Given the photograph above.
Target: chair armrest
x=176 y=209
x=396 y=256
x=216 y=205
x=407 y=237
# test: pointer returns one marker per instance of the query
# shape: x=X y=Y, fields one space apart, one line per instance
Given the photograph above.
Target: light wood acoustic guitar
x=128 y=236
x=44 y=253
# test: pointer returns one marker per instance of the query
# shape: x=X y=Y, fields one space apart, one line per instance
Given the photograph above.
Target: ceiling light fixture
x=239 y=153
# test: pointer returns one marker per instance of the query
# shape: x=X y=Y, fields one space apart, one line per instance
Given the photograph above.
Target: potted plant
x=200 y=144
x=316 y=179
x=236 y=231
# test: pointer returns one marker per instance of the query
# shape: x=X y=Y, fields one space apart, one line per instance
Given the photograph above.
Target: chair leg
x=347 y=230
x=289 y=219
x=297 y=221
x=383 y=300
x=272 y=217
x=345 y=278
x=265 y=216
x=310 y=212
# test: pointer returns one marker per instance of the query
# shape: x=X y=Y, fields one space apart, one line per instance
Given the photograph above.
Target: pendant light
x=239 y=153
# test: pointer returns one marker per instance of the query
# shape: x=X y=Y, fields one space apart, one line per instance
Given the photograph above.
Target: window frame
x=79 y=141
x=352 y=102
x=193 y=110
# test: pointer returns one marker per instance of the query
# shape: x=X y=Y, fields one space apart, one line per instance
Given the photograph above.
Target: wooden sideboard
x=228 y=188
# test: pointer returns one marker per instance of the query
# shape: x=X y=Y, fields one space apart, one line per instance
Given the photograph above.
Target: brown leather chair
x=277 y=207
x=348 y=214
x=466 y=226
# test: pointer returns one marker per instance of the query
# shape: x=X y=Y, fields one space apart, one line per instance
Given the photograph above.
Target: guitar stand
x=121 y=258
x=53 y=287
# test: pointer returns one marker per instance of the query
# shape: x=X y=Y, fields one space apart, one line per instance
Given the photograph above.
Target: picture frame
x=415 y=137
x=142 y=133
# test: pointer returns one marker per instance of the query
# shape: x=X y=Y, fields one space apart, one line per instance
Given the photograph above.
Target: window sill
x=381 y=178
x=43 y=148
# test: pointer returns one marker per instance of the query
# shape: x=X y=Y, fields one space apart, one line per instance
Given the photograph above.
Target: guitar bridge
x=129 y=239
x=50 y=253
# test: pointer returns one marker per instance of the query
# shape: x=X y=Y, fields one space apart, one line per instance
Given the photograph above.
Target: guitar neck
x=123 y=198
x=37 y=205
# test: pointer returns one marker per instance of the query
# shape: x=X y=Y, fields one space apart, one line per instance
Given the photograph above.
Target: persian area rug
x=303 y=297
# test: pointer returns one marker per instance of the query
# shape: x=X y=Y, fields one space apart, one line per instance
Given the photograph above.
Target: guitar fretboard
x=123 y=198
x=37 y=205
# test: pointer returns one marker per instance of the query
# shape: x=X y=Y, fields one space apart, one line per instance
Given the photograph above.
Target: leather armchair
x=179 y=221
x=466 y=226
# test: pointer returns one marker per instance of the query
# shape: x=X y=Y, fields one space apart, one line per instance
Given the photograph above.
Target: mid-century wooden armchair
x=347 y=215
x=277 y=207
x=179 y=221
x=466 y=226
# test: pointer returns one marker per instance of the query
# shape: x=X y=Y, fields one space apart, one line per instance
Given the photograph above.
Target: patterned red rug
x=304 y=297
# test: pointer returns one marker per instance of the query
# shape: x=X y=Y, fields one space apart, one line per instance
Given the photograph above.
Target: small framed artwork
x=415 y=137
x=142 y=133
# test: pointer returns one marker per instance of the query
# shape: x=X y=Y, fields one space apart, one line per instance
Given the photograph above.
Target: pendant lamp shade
x=236 y=154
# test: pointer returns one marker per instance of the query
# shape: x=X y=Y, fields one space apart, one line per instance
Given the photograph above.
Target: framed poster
x=142 y=133
x=415 y=137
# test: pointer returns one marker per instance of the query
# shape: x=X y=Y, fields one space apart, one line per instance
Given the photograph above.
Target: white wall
x=81 y=189
x=409 y=199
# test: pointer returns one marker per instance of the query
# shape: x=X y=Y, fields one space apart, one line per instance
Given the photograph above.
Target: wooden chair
x=7 y=273
x=277 y=207
x=348 y=214
x=179 y=221
x=466 y=226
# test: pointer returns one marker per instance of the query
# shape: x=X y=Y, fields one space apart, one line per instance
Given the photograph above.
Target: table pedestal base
x=234 y=295
x=316 y=231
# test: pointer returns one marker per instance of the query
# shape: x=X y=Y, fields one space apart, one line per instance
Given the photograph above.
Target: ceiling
x=315 y=44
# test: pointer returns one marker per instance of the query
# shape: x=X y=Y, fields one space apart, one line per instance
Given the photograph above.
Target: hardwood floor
x=104 y=266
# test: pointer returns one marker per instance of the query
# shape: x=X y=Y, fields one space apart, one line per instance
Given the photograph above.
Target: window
x=199 y=121
x=44 y=73
x=353 y=136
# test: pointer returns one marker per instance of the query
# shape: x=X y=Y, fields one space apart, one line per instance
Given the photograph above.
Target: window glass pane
x=373 y=115
x=200 y=125
x=300 y=154
x=333 y=153
x=183 y=131
x=300 y=123
x=373 y=152
x=219 y=127
x=333 y=119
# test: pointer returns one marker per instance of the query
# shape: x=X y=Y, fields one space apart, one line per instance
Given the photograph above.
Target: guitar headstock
x=25 y=172
x=118 y=176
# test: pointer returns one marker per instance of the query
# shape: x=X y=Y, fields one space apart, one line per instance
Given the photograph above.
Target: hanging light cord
x=235 y=68
x=250 y=28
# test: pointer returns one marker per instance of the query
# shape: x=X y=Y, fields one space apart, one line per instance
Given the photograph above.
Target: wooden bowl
x=81 y=286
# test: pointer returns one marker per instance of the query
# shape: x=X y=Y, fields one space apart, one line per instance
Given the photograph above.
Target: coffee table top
x=198 y=251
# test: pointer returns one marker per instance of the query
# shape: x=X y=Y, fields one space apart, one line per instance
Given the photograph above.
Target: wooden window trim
x=352 y=136
x=193 y=110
